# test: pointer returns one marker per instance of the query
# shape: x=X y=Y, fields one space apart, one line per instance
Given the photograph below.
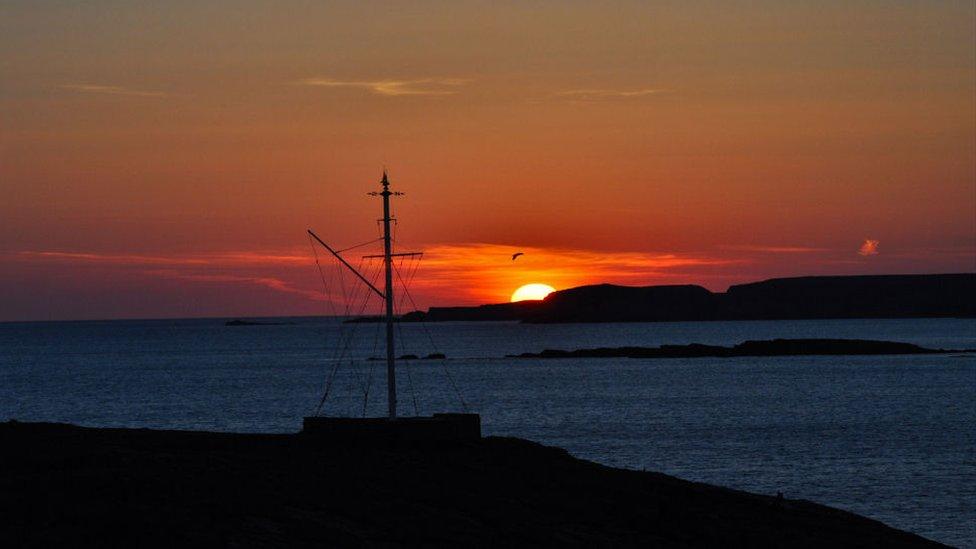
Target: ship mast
x=391 y=393
x=387 y=294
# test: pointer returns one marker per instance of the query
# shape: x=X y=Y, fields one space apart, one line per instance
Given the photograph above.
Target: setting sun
x=532 y=291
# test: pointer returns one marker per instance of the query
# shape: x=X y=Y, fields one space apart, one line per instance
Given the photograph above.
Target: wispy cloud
x=595 y=94
x=112 y=90
x=869 y=247
x=776 y=249
x=219 y=258
x=265 y=269
x=423 y=86
x=449 y=273
x=269 y=282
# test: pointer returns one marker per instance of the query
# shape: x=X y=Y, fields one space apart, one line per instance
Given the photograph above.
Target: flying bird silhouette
x=516 y=254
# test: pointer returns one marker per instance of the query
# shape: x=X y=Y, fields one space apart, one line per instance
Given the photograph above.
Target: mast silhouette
x=438 y=427
x=391 y=393
x=387 y=294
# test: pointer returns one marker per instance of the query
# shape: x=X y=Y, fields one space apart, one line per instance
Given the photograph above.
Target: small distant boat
x=393 y=427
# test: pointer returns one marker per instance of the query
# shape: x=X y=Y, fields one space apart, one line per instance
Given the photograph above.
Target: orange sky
x=164 y=159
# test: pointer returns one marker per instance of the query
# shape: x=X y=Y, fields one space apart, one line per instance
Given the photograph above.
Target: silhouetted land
x=773 y=347
x=239 y=322
x=69 y=486
x=816 y=297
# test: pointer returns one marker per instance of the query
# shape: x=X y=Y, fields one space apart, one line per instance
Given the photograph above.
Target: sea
x=889 y=437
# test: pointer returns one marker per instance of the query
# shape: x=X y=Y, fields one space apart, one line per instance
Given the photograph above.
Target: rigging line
x=450 y=378
x=416 y=267
x=345 y=348
x=345 y=338
x=367 y=296
x=403 y=295
x=346 y=303
x=352 y=296
x=345 y=312
x=328 y=298
x=358 y=245
x=325 y=285
x=447 y=372
x=406 y=292
x=328 y=387
x=330 y=380
x=413 y=393
x=355 y=325
x=370 y=363
x=338 y=363
x=406 y=368
x=411 y=273
x=360 y=313
x=369 y=369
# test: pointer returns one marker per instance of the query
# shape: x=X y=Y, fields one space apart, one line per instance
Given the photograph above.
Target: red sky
x=166 y=161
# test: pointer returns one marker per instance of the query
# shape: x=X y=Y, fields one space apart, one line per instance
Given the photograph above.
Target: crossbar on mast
x=404 y=254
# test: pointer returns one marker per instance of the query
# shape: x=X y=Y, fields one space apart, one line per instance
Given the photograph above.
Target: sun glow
x=532 y=292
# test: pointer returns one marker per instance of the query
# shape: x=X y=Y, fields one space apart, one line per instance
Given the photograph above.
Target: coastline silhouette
x=814 y=297
x=70 y=486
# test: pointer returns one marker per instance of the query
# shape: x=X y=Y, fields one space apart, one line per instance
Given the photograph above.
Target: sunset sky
x=164 y=159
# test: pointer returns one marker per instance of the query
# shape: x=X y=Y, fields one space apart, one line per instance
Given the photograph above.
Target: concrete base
x=439 y=427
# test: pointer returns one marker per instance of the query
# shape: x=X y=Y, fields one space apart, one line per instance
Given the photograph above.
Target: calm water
x=893 y=438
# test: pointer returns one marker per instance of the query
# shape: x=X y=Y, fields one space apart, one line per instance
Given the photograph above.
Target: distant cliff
x=887 y=296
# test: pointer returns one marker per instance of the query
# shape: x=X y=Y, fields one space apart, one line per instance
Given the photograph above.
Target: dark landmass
x=431 y=356
x=372 y=319
x=519 y=310
x=775 y=347
x=70 y=486
x=815 y=297
x=501 y=311
x=239 y=322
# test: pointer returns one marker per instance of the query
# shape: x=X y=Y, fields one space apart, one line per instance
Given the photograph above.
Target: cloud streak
x=776 y=249
x=219 y=258
x=111 y=90
x=597 y=94
x=449 y=273
x=393 y=88
x=269 y=282
x=270 y=270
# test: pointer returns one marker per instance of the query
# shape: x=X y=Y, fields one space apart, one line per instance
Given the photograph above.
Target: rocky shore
x=67 y=486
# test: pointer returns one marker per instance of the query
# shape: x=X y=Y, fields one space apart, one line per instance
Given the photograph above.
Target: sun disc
x=532 y=292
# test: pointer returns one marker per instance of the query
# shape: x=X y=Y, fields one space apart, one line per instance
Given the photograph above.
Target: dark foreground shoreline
x=62 y=485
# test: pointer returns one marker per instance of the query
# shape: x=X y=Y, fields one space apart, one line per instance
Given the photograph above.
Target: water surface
x=889 y=437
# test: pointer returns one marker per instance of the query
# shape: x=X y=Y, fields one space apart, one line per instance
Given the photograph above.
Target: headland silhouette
x=814 y=297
